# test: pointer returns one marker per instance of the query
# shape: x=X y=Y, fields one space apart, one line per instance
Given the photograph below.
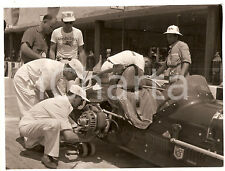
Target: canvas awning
x=31 y=16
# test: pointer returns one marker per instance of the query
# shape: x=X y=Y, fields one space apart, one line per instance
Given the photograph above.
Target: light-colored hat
x=173 y=30
x=77 y=90
x=68 y=16
x=108 y=50
x=78 y=67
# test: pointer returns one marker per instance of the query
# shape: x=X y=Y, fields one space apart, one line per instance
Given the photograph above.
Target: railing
x=10 y=68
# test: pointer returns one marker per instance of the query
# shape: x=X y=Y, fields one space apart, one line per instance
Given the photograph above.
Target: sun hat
x=173 y=30
x=78 y=67
x=77 y=90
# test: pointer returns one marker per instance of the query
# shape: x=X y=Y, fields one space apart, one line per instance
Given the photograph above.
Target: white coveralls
x=44 y=121
x=126 y=57
x=34 y=77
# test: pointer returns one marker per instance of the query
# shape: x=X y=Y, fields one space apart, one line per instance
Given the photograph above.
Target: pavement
x=17 y=157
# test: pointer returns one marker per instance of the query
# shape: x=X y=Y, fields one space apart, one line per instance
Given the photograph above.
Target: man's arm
x=26 y=45
x=161 y=69
x=52 y=51
x=71 y=137
x=185 y=58
x=81 y=51
x=27 y=51
x=56 y=92
x=184 y=69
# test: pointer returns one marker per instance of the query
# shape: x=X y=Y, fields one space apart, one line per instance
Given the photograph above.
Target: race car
x=184 y=132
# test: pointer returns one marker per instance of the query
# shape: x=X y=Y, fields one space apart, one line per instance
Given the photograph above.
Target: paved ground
x=107 y=156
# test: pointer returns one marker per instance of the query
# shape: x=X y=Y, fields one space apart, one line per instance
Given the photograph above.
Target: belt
x=173 y=66
x=110 y=61
x=62 y=58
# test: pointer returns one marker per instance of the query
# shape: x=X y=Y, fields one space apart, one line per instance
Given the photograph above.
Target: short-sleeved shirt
x=178 y=54
x=127 y=57
x=43 y=73
x=67 y=43
x=57 y=108
x=36 y=41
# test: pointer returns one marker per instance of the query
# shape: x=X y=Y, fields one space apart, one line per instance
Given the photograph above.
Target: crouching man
x=48 y=120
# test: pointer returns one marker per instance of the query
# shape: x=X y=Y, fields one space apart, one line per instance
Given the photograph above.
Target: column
x=97 y=41
x=211 y=41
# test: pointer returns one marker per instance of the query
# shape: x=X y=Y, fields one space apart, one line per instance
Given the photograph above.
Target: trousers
x=42 y=131
x=27 y=95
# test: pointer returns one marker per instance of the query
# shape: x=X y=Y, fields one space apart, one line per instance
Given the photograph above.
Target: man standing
x=33 y=44
x=178 y=59
x=33 y=79
x=48 y=121
x=67 y=41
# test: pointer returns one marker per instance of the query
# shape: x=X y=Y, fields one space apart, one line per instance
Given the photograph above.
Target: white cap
x=68 y=16
x=173 y=30
x=108 y=50
x=78 y=67
x=77 y=90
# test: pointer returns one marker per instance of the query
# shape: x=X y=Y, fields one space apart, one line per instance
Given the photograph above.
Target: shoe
x=55 y=160
x=46 y=160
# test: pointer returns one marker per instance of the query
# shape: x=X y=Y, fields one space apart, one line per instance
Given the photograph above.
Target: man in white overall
x=125 y=58
x=48 y=120
x=33 y=79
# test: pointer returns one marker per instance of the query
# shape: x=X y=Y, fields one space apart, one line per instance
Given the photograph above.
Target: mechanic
x=48 y=121
x=124 y=58
x=33 y=44
x=35 y=78
x=178 y=59
x=67 y=41
x=122 y=70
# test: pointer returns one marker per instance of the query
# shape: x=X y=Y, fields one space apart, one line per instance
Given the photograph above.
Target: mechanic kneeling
x=48 y=120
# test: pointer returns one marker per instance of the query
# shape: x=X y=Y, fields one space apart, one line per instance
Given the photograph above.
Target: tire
x=83 y=150
x=91 y=149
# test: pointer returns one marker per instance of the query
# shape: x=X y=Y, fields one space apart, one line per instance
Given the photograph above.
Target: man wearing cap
x=33 y=44
x=48 y=121
x=178 y=59
x=67 y=41
x=33 y=79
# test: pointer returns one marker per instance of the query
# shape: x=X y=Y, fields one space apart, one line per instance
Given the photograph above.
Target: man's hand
x=152 y=76
x=52 y=51
x=41 y=95
x=77 y=129
x=28 y=52
x=118 y=69
x=173 y=79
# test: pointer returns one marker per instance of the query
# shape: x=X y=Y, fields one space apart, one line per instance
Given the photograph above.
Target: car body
x=186 y=132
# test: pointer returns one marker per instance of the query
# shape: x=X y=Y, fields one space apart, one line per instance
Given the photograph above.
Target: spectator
x=178 y=59
x=90 y=61
x=67 y=41
x=33 y=44
x=108 y=53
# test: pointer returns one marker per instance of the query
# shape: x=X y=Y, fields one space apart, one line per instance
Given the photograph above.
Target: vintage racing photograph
x=113 y=86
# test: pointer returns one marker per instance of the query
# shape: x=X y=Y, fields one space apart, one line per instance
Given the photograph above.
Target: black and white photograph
x=127 y=86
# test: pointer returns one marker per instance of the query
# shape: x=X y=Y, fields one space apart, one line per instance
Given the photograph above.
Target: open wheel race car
x=186 y=132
